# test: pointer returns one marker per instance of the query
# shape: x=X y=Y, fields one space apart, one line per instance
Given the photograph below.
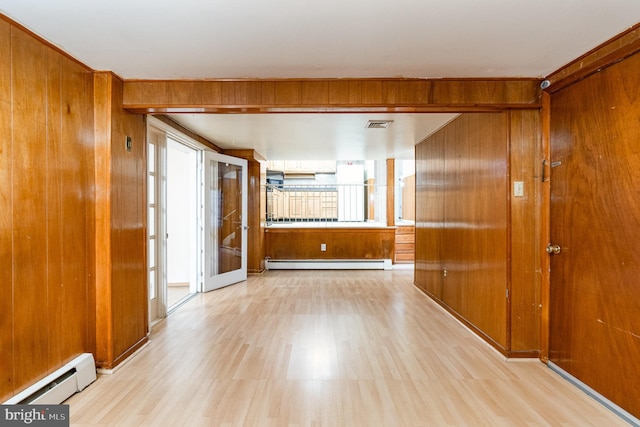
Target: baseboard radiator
x=59 y=385
x=328 y=264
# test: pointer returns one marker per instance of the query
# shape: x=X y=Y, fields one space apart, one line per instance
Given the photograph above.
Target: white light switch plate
x=518 y=189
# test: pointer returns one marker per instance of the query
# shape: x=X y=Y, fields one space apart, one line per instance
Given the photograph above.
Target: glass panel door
x=225 y=220
x=155 y=230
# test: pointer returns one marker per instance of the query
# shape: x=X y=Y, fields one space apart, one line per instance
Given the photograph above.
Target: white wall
x=182 y=213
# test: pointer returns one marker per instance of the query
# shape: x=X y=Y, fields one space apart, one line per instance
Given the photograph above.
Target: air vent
x=379 y=124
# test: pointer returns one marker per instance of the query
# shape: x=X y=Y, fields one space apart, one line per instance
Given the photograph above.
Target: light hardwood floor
x=327 y=348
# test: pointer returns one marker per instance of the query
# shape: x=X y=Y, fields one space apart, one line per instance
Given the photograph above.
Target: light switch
x=518 y=189
x=323 y=247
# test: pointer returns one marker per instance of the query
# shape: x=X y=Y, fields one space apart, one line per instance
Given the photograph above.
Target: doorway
x=197 y=221
x=181 y=222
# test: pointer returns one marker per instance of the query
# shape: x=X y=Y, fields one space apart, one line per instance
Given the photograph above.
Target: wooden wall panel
x=121 y=313
x=102 y=219
x=128 y=228
x=45 y=281
x=476 y=191
x=6 y=216
x=487 y=92
x=461 y=224
x=76 y=146
x=46 y=104
x=342 y=243
x=54 y=169
x=429 y=215
x=29 y=102
x=525 y=166
x=595 y=219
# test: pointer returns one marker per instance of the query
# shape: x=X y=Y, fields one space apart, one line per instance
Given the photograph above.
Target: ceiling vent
x=379 y=124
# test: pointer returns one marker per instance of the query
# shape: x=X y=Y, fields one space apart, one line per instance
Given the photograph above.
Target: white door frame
x=212 y=278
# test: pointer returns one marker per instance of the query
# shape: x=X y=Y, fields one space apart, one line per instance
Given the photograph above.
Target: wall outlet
x=323 y=247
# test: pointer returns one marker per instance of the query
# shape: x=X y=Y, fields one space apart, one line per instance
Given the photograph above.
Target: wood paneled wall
x=288 y=243
x=121 y=268
x=46 y=219
x=335 y=95
x=466 y=223
x=525 y=165
x=73 y=214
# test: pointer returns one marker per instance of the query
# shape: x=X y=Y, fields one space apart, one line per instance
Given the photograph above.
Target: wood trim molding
x=102 y=204
x=109 y=365
x=545 y=226
x=619 y=47
x=329 y=95
x=177 y=126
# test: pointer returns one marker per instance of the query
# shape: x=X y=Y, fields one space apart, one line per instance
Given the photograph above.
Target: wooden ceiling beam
x=330 y=95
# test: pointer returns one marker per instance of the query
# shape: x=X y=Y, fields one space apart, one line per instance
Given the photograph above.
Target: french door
x=212 y=217
x=225 y=220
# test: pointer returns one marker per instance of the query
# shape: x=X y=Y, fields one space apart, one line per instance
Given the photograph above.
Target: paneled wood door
x=595 y=220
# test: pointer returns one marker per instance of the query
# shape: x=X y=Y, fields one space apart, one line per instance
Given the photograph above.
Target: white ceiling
x=161 y=39
x=318 y=136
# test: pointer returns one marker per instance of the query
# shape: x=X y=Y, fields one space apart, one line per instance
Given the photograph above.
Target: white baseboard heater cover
x=59 y=385
x=328 y=264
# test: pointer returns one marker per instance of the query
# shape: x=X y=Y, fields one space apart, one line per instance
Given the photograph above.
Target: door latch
x=553 y=249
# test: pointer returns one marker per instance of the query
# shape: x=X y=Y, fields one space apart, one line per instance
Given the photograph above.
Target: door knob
x=553 y=249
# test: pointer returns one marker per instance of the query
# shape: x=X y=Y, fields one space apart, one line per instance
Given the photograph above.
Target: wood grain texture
x=46 y=101
x=526 y=251
x=341 y=348
x=405 y=244
x=54 y=167
x=342 y=243
x=595 y=218
x=29 y=253
x=476 y=191
x=102 y=208
x=6 y=217
x=473 y=191
x=323 y=95
x=391 y=192
x=430 y=215
x=128 y=226
x=76 y=129
x=121 y=268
